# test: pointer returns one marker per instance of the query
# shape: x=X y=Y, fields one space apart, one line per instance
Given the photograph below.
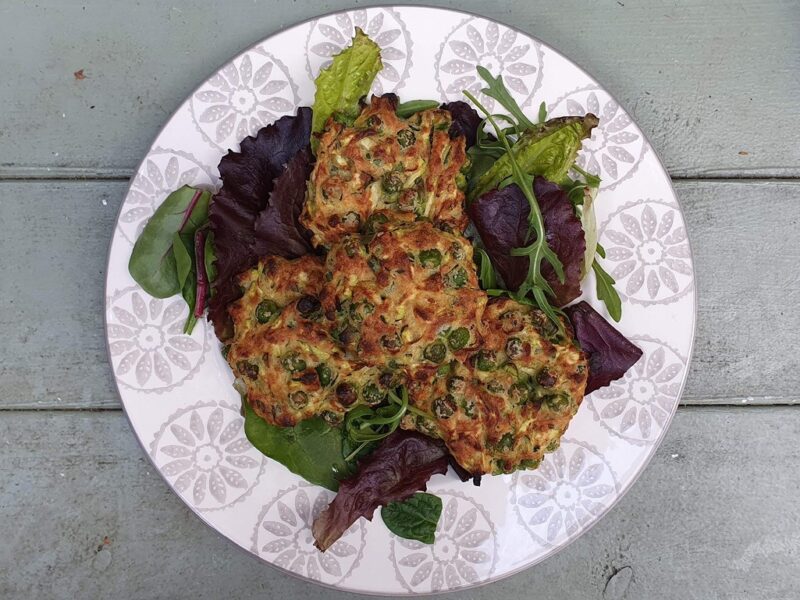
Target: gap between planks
x=33 y=174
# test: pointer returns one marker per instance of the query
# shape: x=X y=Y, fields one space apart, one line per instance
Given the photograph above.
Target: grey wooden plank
x=700 y=77
x=84 y=515
x=51 y=292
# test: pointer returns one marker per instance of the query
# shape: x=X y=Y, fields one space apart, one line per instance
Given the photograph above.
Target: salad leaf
x=311 y=449
x=610 y=353
x=466 y=120
x=152 y=264
x=548 y=149
x=345 y=81
x=606 y=291
x=406 y=109
x=278 y=229
x=400 y=466
x=497 y=89
x=183 y=249
x=209 y=257
x=415 y=518
x=201 y=275
x=248 y=178
x=589 y=224
x=501 y=218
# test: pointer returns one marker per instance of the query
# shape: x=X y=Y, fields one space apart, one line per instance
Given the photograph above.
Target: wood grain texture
x=89 y=518
x=51 y=293
x=700 y=78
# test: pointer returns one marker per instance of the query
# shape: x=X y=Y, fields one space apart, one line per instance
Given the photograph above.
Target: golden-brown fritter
x=511 y=400
x=402 y=169
x=407 y=295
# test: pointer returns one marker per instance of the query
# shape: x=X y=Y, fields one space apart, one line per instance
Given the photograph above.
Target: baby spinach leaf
x=311 y=449
x=183 y=249
x=345 y=81
x=210 y=257
x=415 y=518
x=152 y=264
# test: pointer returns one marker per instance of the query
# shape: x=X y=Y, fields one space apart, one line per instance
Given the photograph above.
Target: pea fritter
x=407 y=295
x=384 y=165
x=511 y=400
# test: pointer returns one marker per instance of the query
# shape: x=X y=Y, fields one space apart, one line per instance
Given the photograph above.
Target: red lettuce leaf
x=400 y=466
x=501 y=218
x=248 y=179
x=278 y=229
x=465 y=121
x=610 y=353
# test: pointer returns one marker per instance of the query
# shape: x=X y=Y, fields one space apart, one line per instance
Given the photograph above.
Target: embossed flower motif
x=616 y=147
x=283 y=536
x=638 y=406
x=204 y=453
x=464 y=551
x=246 y=94
x=646 y=243
x=499 y=49
x=330 y=35
x=149 y=350
x=162 y=173
x=571 y=488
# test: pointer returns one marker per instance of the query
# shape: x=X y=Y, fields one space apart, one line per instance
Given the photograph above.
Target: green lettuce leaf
x=311 y=449
x=548 y=150
x=345 y=81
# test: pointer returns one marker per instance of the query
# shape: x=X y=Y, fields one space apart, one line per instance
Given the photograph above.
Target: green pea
x=293 y=363
x=514 y=348
x=485 y=360
x=506 y=442
x=519 y=392
x=430 y=259
x=247 y=369
x=324 y=374
x=468 y=406
x=444 y=407
x=456 y=385
x=458 y=338
x=529 y=463
x=331 y=418
x=435 y=352
x=374 y=264
x=406 y=137
x=457 y=278
x=298 y=400
x=372 y=394
x=443 y=370
x=266 y=311
x=556 y=402
x=392 y=183
x=374 y=222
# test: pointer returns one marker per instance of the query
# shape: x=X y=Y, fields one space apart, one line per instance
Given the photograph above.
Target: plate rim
x=624 y=489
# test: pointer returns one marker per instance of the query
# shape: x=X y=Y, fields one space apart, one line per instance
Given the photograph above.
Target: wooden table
x=84 y=87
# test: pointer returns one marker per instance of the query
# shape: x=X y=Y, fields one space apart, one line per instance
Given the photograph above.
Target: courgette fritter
x=511 y=400
x=384 y=165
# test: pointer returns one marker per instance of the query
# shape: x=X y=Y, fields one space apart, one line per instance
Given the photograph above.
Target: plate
x=176 y=389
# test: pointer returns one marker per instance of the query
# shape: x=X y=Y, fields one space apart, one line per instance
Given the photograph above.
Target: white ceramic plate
x=176 y=389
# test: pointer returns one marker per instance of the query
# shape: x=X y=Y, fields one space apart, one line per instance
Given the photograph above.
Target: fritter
x=407 y=295
x=402 y=169
x=511 y=400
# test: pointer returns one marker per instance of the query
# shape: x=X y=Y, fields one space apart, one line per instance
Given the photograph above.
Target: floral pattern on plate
x=330 y=34
x=248 y=93
x=616 y=147
x=204 y=454
x=573 y=486
x=282 y=535
x=637 y=407
x=164 y=171
x=464 y=552
x=149 y=351
x=502 y=50
x=647 y=252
